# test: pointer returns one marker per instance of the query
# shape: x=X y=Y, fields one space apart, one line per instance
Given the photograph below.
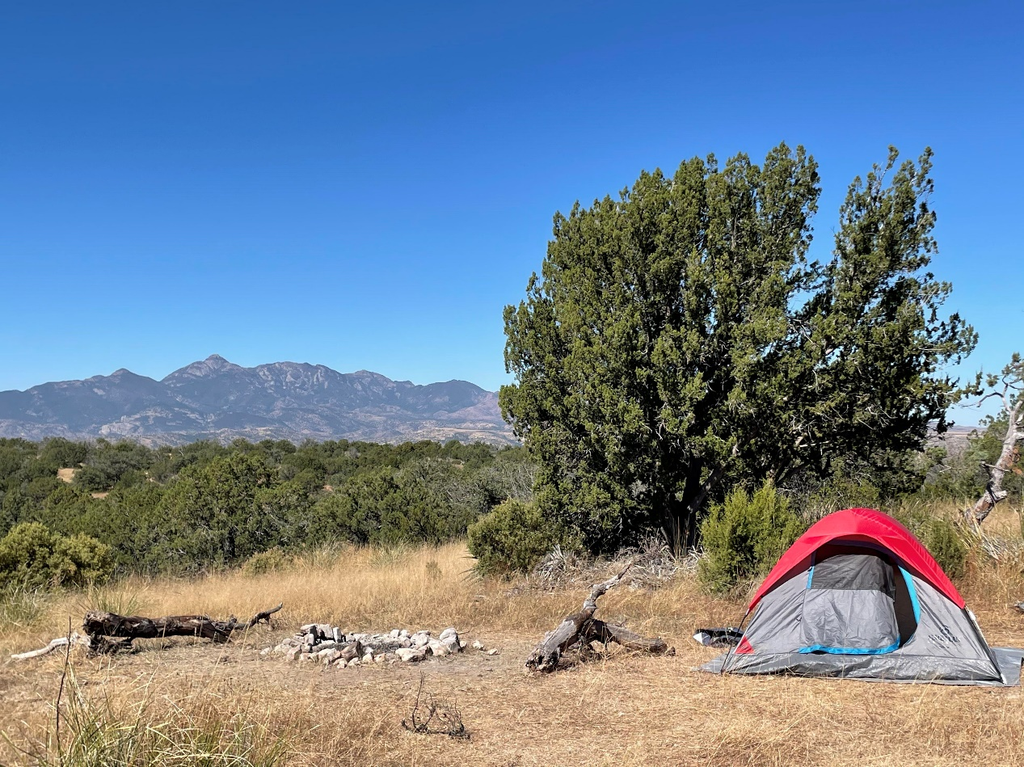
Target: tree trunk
x=994 y=492
x=673 y=524
x=111 y=633
x=683 y=513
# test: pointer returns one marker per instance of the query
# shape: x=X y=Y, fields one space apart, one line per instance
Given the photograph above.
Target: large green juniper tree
x=678 y=341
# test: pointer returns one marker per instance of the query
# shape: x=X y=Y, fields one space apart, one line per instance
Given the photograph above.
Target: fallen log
x=582 y=628
x=111 y=633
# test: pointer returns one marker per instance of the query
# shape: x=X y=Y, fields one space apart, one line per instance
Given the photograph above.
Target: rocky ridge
x=217 y=399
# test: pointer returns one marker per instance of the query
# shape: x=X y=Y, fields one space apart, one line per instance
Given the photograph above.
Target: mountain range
x=216 y=399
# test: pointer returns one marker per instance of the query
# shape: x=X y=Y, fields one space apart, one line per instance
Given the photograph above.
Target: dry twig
x=432 y=716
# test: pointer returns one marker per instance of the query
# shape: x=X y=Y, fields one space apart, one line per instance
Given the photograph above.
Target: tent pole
x=728 y=653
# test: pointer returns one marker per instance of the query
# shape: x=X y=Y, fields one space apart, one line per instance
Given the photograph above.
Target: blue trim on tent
x=913 y=596
x=850 y=650
x=810 y=577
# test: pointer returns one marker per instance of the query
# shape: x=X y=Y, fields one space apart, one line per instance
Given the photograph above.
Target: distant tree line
x=205 y=505
x=133 y=509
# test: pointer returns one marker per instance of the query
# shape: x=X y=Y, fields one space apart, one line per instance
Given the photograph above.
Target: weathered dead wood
x=112 y=633
x=606 y=633
x=102 y=645
x=545 y=656
x=994 y=492
x=1012 y=395
x=582 y=627
x=263 y=617
x=74 y=639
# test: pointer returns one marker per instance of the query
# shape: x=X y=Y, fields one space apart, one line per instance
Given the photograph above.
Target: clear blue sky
x=368 y=187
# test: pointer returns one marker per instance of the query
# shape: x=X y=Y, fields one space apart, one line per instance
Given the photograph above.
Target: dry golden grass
x=621 y=709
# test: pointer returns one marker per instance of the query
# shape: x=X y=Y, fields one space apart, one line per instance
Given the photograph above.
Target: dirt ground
x=618 y=708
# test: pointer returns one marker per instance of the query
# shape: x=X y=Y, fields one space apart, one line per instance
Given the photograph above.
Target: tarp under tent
x=858 y=596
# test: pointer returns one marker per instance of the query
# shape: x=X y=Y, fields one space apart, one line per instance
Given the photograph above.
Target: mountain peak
x=212 y=365
x=217 y=399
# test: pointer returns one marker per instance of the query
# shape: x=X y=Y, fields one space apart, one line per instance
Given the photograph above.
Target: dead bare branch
x=434 y=716
x=581 y=628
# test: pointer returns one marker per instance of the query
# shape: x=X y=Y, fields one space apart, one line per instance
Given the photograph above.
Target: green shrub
x=79 y=560
x=512 y=538
x=939 y=534
x=25 y=551
x=269 y=561
x=745 y=536
x=943 y=540
x=33 y=556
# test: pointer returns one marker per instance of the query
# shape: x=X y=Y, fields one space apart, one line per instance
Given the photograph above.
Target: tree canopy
x=679 y=341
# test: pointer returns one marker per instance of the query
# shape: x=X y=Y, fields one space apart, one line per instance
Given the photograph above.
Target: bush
x=512 y=538
x=838 y=492
x=107 y=464
x=745 y=536
x=269 y=561
x=384 y=508
x=943 y=540
x=32 y=556
x=939 y=534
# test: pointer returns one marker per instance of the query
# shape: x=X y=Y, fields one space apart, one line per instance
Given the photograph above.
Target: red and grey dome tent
x=858 y=596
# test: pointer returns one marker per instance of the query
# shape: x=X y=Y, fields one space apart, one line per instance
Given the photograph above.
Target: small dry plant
x=654 y=564
x=432 y=715
x=559 y=568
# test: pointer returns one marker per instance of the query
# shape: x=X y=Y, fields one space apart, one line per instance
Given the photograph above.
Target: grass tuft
x=101 y=730
x=121 y=597
x=22 y=606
